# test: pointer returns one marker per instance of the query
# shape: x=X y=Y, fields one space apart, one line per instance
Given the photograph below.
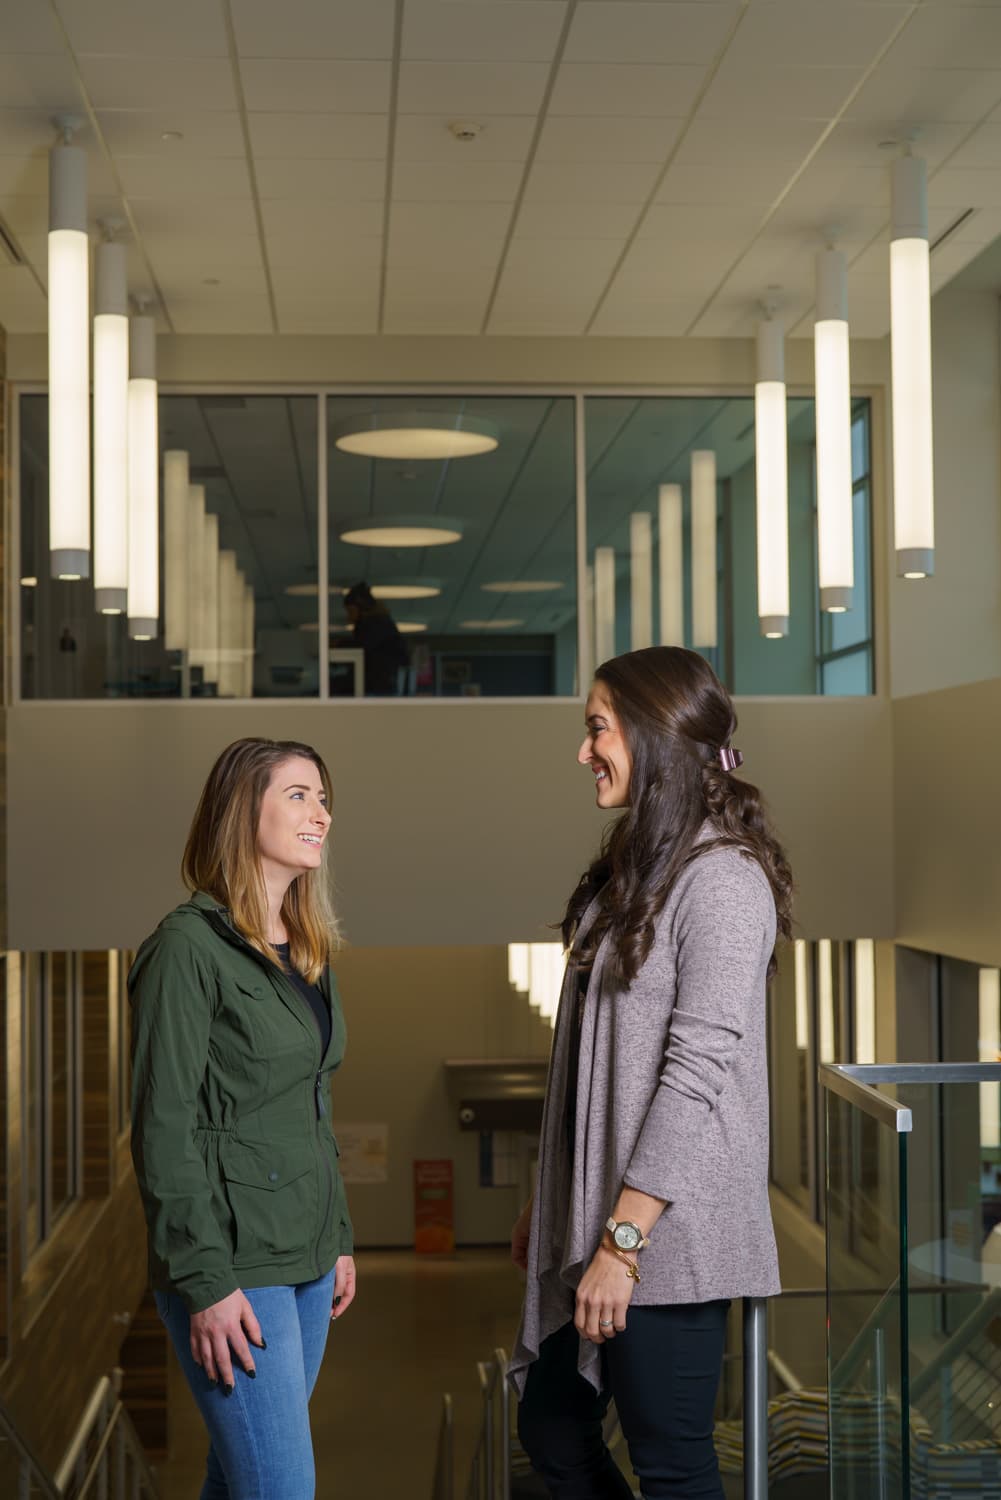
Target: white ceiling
x=644 y=166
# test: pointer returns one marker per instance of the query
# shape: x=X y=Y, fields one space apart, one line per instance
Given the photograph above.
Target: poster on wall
x=434 y=1208
x=364 y=1152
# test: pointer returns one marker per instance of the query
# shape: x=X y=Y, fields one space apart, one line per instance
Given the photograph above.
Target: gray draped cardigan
x=672 y=1098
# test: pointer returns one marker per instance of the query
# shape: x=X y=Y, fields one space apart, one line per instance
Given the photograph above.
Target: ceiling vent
x=9 y=247
x=948 y=232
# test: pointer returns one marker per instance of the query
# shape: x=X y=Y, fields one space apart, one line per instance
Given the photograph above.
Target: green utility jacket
x=231 y=1137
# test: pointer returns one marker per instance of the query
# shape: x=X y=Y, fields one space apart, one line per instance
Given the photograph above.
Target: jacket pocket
x=271 y=1195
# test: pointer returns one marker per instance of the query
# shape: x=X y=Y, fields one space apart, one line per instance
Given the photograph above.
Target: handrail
x=84 y=1472
x=847 y=1081
x=444 y=1468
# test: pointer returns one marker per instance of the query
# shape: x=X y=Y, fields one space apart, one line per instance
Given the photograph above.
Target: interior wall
x=447 y=1003
x=455 y=822
x=947 y=851
x=946 y=630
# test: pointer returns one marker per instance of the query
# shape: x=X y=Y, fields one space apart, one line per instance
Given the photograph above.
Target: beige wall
x=726 y=364
x=407 y=1010
x=948 y=834
x=455 y=823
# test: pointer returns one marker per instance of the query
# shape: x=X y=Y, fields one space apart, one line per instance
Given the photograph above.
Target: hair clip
x=729 y=758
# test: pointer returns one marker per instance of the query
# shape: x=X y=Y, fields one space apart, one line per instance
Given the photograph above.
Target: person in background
x=651 y=1209
x=236 y=1029
x=375 y=631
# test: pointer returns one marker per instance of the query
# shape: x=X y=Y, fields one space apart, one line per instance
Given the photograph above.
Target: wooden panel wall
x=64 y=1315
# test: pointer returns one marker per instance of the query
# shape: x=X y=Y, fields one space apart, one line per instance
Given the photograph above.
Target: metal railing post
x=755 y=1399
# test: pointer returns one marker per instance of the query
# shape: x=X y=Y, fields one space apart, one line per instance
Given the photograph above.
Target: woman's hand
x=225 y=1326
x=519 y=1237
x=604 y=1294
x=345 y=1279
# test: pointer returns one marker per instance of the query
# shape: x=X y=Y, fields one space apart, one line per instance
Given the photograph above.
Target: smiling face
x=294 y=820
x=605 y=750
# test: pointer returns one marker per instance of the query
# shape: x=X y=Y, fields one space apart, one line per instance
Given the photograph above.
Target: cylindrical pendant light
x=144 y=520
x=671 y=570
x=230 y=626
x=176 y=503
x=249 y=640
x=196 y=575
x=69 y=364
x=910 y=344
x=772 y=482
x=210 y=546
x=641 y=579
x=111 y=431
x=704 y=611
x=604 y=604
x=835 y=557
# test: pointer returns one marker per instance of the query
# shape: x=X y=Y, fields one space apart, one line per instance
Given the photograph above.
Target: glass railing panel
x=867 y=1304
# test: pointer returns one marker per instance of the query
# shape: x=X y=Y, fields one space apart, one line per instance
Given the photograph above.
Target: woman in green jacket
x=236 y=1028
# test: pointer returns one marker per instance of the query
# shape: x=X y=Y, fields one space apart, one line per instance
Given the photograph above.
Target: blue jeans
x=260 y=1447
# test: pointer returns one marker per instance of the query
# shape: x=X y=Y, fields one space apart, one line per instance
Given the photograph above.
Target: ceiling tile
x=811 y=32
x=623 y=317
x=966 y=187
x=29 y=28
x=427 y=315
x=489 y=31
x=687 y=225
x=145 y=28
x=302 y=28
x=336 y=181
x=573 y=182
x=30 y=215
x=236 y=284
x=307 y=270
x=898 y=97
x=854 y=221
x=857 y=143
x=27 y=132
x=960 y=37
x=758 y=141
x=202 y=315
x=554 y=316
x=203 y=217
x=33 y=80
x=806 y=93
x=538 y=265
x=624 y=90
x=315 y=84
x=827 y=194
x=428 y=138
x=662 y=269
x=430 y=247
x=449 y=221
x=573 y=221
x=319 y=136
x=316 y=219
x=133 y=132
x=621 y=31
x=981 y=149
x=581 y=138
x=352 y=314
x=475 y=88
x=28 y=177
x=164 y=83
x=723 y=184
x=222 y=257
x=456 y=182
x=463 y=283
x=158 y=177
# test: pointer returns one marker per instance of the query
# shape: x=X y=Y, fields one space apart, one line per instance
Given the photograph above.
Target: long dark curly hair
x=675 y=715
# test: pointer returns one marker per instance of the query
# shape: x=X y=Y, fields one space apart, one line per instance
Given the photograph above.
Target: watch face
x=626 y=1236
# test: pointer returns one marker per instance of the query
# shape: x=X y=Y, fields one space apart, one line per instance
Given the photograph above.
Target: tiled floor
x=417 y=1329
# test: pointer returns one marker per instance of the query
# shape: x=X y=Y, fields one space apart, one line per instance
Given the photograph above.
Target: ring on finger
x=606 y=1322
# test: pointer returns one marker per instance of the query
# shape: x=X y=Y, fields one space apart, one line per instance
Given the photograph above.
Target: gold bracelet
x=632 y=1269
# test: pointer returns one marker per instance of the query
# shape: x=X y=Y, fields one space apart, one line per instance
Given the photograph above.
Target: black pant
x=663 y=1372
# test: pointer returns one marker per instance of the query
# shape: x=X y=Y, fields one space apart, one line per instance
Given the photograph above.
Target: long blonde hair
x=221 y=856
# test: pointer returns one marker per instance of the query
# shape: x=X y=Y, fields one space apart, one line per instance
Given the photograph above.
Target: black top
x=385 y=652
x=311 y=994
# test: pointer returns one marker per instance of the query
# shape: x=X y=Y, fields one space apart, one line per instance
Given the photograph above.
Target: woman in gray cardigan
x=651 y=1205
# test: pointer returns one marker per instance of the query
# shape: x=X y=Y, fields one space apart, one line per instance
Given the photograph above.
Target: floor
x=416 y=1330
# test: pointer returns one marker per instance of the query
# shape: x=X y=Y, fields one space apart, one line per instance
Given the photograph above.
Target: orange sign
x=434 y=1208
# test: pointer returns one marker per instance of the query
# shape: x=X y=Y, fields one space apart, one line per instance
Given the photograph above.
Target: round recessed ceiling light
x=415 y=435
x=491 y=624
x=401 y=531
x=310 y=590
x=379 y=590
x=29 y=583
x=411 y=627
x=171 y=135
x=522 y=586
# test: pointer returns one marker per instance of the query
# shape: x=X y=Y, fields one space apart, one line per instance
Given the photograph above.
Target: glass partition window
x=672 y=537
x=50 y=1082
x=468 y=563
x=450 y=535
